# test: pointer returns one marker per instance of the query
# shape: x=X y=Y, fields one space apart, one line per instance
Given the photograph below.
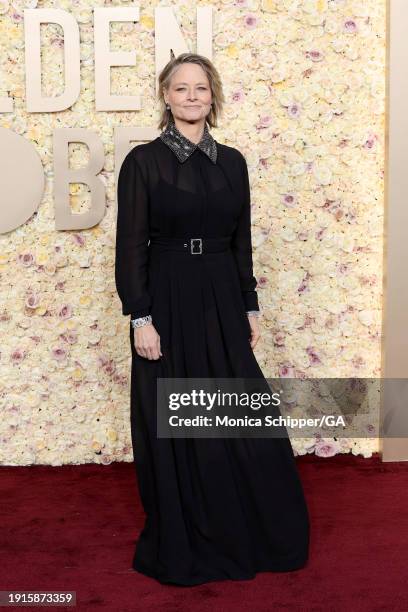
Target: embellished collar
x=183 y=147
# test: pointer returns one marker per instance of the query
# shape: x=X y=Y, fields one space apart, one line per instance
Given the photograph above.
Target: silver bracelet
x=140 y=321
x=256 y=313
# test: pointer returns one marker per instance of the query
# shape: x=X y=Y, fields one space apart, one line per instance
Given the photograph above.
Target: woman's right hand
x=147 y=342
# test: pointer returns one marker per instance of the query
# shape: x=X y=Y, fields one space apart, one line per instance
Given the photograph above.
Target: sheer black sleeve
x=132 y=236
x=242 y=245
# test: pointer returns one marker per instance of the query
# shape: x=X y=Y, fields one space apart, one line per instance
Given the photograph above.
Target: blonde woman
x=215 y=509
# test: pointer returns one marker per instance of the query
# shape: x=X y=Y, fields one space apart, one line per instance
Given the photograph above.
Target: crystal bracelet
x=140 y=321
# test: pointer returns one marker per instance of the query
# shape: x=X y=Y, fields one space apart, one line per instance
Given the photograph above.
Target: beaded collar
x=183 y=147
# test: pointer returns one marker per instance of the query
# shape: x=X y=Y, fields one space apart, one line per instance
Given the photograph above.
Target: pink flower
x=18 y=355
x=323 y=448
x=303 y=285
x=65 y=312
x=294 y=110
x=262 y=281
x=370 y=142
x=279 y=339
x=58 y=42
x=250 y=21
x=102 y=360
x=106 y=459
x=350 y=26
x=264 y=122
x=32 y=300
x=315 y=56
x=303 y=235
x=289 y=200
x=58 y=353
x=26 y=259
x=79 y=239
x=109 y=367
x=358 y=362
x=313 y=356
x=71 y=337
x=238 y=96
x=286 y=371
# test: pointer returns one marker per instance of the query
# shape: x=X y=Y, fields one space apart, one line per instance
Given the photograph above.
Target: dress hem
x=137 y=566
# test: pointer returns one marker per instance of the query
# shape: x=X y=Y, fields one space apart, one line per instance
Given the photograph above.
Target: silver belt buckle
x=192 y=246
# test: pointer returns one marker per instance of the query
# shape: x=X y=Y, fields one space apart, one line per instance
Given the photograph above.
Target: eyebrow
x=187 y=84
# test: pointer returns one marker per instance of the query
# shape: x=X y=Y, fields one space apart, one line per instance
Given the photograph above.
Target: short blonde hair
x=213 y=77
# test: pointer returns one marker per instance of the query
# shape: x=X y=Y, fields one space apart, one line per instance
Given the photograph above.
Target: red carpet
x=74 y=528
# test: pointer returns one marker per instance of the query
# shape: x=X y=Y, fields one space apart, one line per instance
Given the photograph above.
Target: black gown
x=216 y=509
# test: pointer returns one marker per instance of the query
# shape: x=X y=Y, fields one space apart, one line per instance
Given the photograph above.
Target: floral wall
x=307 y=111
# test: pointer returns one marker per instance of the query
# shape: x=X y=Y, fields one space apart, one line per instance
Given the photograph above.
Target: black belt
x=192 y=246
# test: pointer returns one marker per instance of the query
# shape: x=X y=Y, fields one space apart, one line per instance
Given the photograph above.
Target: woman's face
x=189 y=93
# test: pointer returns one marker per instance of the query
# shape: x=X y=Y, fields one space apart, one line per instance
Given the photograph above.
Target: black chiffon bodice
x=158 y=195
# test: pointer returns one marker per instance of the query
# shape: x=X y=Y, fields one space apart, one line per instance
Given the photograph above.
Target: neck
x=191 y=130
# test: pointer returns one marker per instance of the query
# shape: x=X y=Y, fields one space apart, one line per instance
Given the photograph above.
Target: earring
x=168 y=106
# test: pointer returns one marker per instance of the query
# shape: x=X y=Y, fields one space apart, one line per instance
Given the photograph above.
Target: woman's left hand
x=255 y=333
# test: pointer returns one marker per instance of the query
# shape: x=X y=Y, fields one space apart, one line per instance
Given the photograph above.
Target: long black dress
x=215 y=508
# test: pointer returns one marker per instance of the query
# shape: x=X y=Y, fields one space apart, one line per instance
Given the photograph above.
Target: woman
x=215 y=508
